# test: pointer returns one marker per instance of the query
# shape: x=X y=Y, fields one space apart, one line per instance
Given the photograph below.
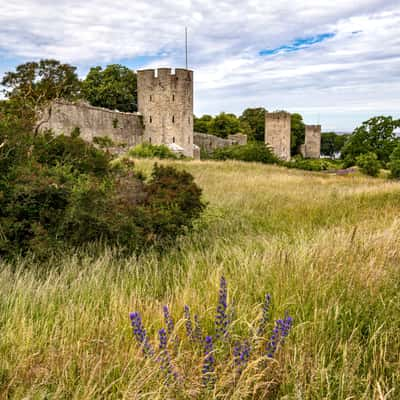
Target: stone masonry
x=209 y=143
x=165 y=100
x=64 y=118
x=277 y=133
x=313 y=141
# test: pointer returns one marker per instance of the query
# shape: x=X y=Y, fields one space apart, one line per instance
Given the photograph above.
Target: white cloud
x=355 y=73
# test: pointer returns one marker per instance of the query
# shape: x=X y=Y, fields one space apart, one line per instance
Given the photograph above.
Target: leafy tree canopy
x=377 y=135
x=297 y=132
x=253 y=121
x=332 y=143
x=224 y=124
x=33 y=84
x=115 y=88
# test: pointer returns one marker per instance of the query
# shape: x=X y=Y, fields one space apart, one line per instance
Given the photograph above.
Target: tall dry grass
x=325 y=247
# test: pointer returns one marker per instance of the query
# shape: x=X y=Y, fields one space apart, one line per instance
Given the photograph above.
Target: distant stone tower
x=277 y=133
x=165 y=100
x=313 y=141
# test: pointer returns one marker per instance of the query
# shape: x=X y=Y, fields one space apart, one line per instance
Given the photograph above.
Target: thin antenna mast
x=186 y=47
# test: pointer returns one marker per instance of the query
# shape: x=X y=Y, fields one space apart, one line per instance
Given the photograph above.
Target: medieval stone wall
x=313 y=141
x=277 y=133
x=120 y=127
x=209 y=143
x=165 y=99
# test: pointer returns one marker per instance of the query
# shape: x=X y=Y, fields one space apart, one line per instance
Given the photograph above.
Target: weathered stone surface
x=277 y=133
x=165 y=99
x=313 y=141
x=209 y=143
x=64 y=118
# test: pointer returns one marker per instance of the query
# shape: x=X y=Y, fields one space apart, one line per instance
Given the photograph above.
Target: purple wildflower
x=279 y=333
x=241 y=354
x=209 y=362
x=165 y=358
x=221 y=319
x=188 y=323
x=169 y=322
x=197 y=333
x=140 y=333
x=265 y=315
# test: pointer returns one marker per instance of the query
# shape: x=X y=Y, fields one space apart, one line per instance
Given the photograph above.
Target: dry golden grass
x=325 y=247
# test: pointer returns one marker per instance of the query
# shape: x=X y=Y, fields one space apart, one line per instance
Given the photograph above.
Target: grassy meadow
x=325 y=247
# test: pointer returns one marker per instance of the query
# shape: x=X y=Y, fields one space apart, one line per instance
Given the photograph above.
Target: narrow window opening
x=150 y=140
x=173 y=97
x=151 y=98
x=173 y=119
x=173 y=139
x=151 y=119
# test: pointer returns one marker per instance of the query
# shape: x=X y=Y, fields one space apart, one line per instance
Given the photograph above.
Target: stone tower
x=165 y=100
x=277 y=133
x=313 y=141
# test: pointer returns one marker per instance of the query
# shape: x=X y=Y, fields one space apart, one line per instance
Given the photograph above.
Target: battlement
x=314 y=127
x=165 y=73
x=277 y=115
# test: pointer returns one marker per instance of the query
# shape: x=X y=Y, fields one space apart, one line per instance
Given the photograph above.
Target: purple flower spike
x=188 y=323
x=140 y=333
x=169 y=322
x=209 y=362
x=265 y=315
x=163 y=339
x=241 y=353
x=165 y=358
x=279 y=333
x=221 y=318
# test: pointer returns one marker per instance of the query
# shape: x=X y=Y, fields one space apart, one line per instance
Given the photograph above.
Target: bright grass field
x=327 y=249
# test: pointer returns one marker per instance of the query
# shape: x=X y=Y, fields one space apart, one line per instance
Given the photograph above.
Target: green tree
x=224 y=124
x=297 y=132
x=253 y=123
x=376 y=135
x=368 y=163
x=394 y=164
x=332 y=143
x=34 y=84
x=202 y=124
x=115 y=88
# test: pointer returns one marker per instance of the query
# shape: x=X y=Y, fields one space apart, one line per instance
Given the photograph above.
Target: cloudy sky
x=336 y=62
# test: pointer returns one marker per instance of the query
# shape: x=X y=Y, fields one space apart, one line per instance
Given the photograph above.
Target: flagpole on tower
x=186 y=47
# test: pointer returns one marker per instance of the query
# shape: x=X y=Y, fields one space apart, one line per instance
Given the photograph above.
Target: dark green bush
x=60 y=192
x=309 y=164
x=254 y=151
x=394 y=164
x=368 y=164
x=147 y=150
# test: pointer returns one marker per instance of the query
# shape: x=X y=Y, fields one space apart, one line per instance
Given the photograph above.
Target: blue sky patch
x=298 y=44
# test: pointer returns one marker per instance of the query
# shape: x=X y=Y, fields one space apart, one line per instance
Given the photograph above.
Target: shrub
x=60 y=192
x=394 y=164
x=254 y=151
x=147 y=150
x=308 y=164
x=368 y=164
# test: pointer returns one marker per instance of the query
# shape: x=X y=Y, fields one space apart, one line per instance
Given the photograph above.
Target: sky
x=335 y=62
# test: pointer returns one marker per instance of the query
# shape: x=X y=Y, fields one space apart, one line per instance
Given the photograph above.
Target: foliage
x=297 y=132
x=255 y=120
x=253 y=152
x=377 y=135
x=115 y=88
x=213 y=346
x=60 y=192
x=147 y=150
x=34 y=84
x=368 y=163
x=202 y=124
x=332 y=143
x=103 y=141
x=394 y=164
x=309 y=164
x=224 y=124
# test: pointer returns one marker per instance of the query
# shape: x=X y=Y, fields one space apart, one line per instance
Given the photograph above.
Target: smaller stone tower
x=277 y=133
x=165 y=100
x=313 y=141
